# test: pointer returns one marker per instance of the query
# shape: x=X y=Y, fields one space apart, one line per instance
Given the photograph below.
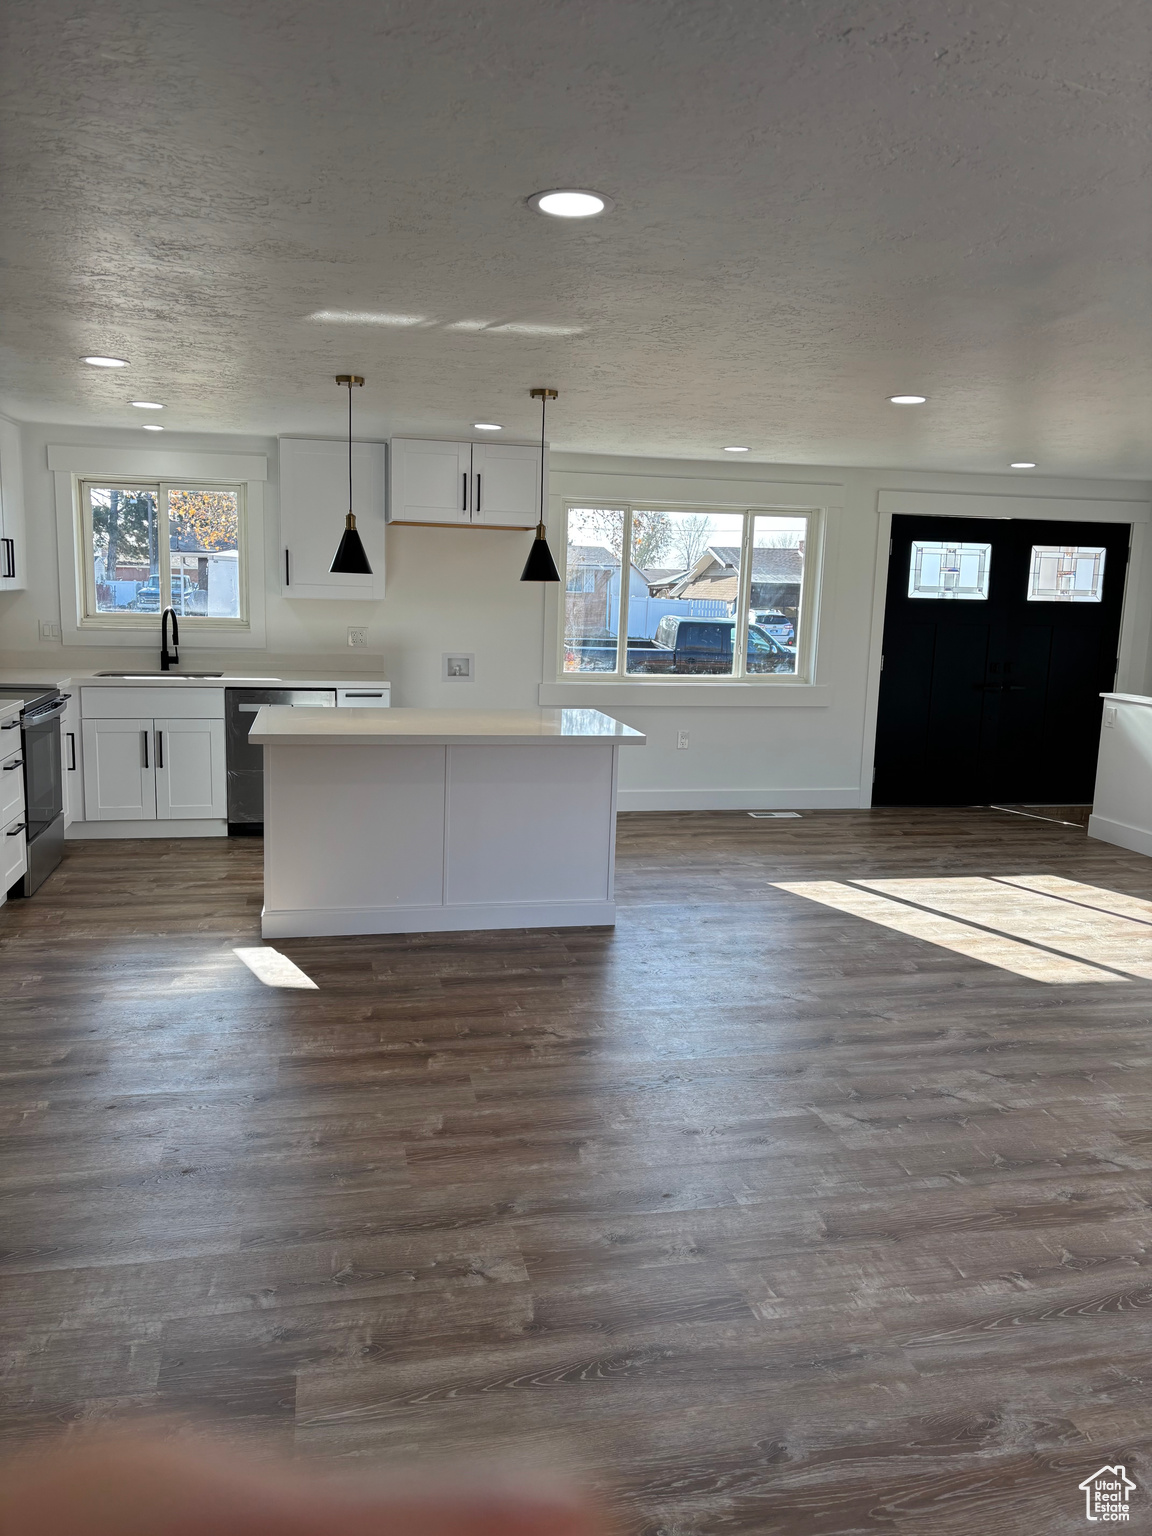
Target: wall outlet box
x=357 y=635
x=459 y=667
x=49 y=629
x=681 y=740
x=1109 y=715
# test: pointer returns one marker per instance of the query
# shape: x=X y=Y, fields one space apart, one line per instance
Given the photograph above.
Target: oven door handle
x=58 y=708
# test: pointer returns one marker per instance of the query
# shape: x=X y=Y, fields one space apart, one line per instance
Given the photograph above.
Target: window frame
x=88 y=616
x=804 y=675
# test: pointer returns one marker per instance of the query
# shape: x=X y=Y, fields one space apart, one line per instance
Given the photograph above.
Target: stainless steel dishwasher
x=246 y=762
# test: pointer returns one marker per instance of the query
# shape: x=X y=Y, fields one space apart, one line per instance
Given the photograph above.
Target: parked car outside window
x=778 y=625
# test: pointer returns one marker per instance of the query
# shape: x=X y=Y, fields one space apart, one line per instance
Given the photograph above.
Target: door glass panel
x=592 y=589
x=1066 y=573
x=943 y=569
x=205 y=555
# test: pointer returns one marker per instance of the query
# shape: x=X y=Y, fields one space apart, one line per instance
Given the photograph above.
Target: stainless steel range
x=39 y=725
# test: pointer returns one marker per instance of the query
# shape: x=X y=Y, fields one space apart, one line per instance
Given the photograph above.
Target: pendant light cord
x=349 y=447
x=543 y=413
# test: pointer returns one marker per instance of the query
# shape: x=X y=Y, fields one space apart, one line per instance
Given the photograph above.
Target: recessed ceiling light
x=146 y=405
x=1022 y=464
x=107 y=362
x=487 y=426
x=570 y=203
x=150 y=427
x=908 y=399
x=735 y=450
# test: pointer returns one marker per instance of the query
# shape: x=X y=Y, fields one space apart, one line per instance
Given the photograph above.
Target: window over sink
x=148 y=545
x=707 y=593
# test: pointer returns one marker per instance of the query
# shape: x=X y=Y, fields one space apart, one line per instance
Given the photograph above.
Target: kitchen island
x=426 y=820
x=1122 y=804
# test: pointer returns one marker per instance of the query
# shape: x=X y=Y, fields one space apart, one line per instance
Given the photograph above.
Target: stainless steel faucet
x=166 y=660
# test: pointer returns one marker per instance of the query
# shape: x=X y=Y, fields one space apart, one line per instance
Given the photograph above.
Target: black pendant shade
x=540 y=565
x=351 y=559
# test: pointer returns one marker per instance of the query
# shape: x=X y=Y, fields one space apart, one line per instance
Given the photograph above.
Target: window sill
x=712 y=693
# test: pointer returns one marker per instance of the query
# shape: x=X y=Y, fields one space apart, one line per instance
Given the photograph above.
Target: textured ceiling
x=817 y=205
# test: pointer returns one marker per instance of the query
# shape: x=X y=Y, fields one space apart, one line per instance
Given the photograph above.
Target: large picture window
x=704 y=593
x=151 y=545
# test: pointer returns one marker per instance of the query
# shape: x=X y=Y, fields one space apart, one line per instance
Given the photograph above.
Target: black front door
x=999 y=637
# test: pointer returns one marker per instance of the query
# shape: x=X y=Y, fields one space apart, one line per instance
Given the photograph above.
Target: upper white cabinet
x=13 y=564
x=493 y=485
x=313 y=504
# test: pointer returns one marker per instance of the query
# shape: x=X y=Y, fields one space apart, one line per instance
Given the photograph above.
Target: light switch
x=1109 y=715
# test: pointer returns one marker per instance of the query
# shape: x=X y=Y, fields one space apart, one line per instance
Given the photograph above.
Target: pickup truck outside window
x=707 y=593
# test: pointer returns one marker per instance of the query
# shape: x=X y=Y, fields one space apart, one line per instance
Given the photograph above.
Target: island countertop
x=279 y=726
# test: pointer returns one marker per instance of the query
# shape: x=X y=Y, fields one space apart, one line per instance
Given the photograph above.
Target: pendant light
x=540 y=565
x=350 y=557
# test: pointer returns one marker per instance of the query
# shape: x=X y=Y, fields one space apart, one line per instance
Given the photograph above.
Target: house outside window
x=149 y=545
x=709 y=593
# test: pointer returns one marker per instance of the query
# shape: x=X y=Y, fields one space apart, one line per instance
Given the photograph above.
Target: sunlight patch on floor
x=1016 y=923
x=275 y=969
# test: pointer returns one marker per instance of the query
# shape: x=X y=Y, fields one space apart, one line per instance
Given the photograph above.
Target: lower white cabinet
x=13 y=854
x=191 y=778
x=154 y=770
x=71 y=763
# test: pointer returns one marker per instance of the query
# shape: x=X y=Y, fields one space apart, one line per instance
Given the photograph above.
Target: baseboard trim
x=80 y=831
x=1118 y=832
x=330 y=922
x=738 y=799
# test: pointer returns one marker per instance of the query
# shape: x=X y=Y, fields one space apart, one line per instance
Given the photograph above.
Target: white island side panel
x=1122 y=804
x=361 y=828
x=529 y=826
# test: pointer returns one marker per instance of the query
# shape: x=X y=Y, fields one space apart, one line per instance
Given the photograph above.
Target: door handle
x=159 y=749
x=287 y=571
x=9 y=557
x=476 y=508
x=145 y=736
x=12 y=831
x=71 y=735
x=464 y=492
x=11 y=767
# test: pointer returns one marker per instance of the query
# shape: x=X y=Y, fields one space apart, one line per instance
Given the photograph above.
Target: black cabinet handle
x=9 y=557
x=464 y=492
x=13 y=830
x=477 y=506
x=71 y=735
x=159 y=749
x=11 y=767
x=13 y=725
x=145 y=735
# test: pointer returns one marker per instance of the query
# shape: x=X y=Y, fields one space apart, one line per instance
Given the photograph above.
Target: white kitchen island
x=1122 y=804
x=424 y=820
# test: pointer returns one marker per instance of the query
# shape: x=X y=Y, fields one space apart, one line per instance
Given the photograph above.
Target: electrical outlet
x=1109 y=715
x=357 y=635
x=681 y=740
x=49 y=629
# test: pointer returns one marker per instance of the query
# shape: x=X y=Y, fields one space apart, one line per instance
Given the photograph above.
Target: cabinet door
x=13 y=575
x=190 y=771
x=119 y=778
x=431 y=482
x=72 y=764
x=313 y=505
x=506 y=485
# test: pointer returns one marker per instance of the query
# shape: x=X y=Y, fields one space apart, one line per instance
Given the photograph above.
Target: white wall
x=459 y=589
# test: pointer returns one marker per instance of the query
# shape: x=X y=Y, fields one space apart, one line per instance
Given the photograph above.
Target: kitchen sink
x=134 y=675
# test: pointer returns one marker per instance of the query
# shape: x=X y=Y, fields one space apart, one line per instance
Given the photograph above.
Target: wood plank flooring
x=761 y=1216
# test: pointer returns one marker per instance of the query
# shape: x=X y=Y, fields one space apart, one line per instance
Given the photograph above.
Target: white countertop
x=172 y=679
x=1127 y=698
x=277 y=725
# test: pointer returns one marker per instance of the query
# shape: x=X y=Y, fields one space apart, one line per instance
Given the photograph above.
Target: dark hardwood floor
x=763 y=1215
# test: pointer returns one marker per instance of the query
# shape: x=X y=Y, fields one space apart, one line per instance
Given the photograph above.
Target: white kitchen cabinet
x=506 y=485
x=313 y=505
x=13 y=854
x=119 y=770
x=72 y=763
x=13 y=564
x=191 y=779
x=492 y=485
x=11 y=788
